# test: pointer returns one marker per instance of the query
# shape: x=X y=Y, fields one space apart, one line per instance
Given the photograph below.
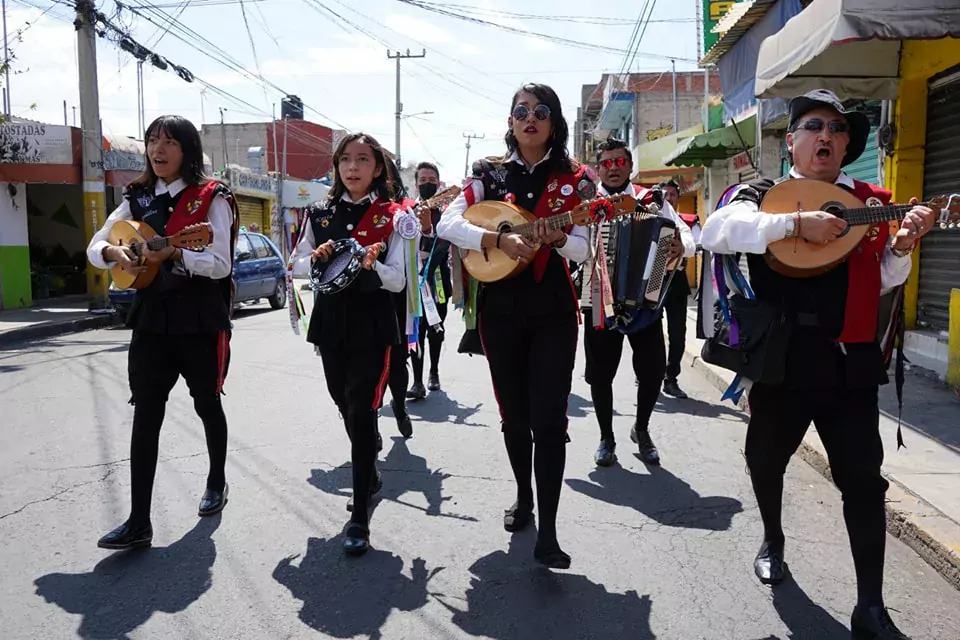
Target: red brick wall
x=309 y=153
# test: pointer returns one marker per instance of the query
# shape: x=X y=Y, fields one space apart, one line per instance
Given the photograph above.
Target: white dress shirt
x=392 y=272
x=741 y=227
x=212 y=262
x=455 y=228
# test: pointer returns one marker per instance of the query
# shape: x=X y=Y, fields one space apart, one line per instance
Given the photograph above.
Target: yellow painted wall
x=919 y=60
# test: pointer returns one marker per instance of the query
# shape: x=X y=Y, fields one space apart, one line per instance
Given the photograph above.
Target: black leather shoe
x=417 y=392
x=606 y=453
x=518 y=517
x=671 y=388
x=356 y=541
x=404 y=424
x=769 y=565
x=648 y=452
x=551 y=555
x=874 y=623
x=433 y=383
x=379 y=442
x=374 y=488
x=213 y=501
x=127 y=536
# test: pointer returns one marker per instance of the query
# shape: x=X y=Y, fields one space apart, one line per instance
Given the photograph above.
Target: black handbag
x=760 y=353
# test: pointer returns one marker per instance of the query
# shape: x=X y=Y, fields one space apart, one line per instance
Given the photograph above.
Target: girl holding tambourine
x=356 y=328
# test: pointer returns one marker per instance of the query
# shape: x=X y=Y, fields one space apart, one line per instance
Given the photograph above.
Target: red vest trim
x=863 y=268
x=560 y=196
x=377 y=223
x=192 y=207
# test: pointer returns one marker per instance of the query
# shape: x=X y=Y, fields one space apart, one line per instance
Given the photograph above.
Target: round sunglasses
x=541 y=112
x=610 y=162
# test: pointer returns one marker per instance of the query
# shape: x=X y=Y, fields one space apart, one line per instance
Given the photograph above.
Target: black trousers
x=433 y=335
x=847 y=421
x=356 y=379
x=155 y=363
x=675 y=307
x=399 y=379
x=603 y=349
x=531 y=361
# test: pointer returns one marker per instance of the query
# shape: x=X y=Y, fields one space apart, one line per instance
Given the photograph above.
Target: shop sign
x=35 y=143
x=298 y=193
x=713 y=12
x=741 y=161
x=119 y=160
x=247 y=183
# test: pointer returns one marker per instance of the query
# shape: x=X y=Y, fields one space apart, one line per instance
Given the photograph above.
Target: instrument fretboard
x=559 y=221
x=875 y=215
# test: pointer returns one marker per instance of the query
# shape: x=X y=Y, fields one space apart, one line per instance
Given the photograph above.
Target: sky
x=339 y=67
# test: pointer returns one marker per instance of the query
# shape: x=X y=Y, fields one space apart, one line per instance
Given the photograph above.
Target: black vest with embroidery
x=362 y=315
x=173 y=304
x=523 y=294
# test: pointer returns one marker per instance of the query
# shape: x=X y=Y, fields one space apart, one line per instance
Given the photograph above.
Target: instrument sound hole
x=837 y=209
x=504 y=227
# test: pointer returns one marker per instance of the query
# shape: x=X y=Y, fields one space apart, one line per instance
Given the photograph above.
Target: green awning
x=719 y=144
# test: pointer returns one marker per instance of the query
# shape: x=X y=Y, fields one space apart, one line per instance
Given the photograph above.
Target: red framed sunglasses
x=609 y=163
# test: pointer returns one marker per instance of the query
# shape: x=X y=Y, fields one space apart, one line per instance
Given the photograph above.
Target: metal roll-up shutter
x=940 y=249
x=866 y=167
x=251 y=213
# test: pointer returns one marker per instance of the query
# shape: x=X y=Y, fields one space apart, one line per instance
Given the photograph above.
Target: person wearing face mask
x=834 y=362
x=356 y=329
x=181 y=320
x=528 y=323
x=435 y=261
x=604 y=346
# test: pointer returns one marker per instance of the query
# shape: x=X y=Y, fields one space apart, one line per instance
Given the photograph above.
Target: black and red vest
x=362 y=315
x=839 y=307
x=544 y=287
x=177 y=304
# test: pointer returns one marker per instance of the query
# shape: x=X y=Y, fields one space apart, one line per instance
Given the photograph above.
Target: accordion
x=640 y=275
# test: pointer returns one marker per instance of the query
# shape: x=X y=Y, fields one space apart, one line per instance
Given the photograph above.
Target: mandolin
x=490 y=265
x=798 y=258
x=138 y=235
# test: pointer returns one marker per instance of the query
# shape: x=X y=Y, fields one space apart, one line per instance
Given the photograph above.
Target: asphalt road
x=657 y=553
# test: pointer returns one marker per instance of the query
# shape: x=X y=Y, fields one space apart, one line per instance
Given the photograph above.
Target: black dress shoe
x=356 y=541
x=433 y=383
x=769 y=565
x=417 y=392
x=551 y=555
x=374 y=488
x=379 y=442
x=648 y=452
x=518 y=517
x=671 y=388
x=606 y=453
x=874 y=623
x=213 y=501
x=404 y=424
x=127 y=536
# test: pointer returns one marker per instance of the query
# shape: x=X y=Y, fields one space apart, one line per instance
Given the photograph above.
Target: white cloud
x=417 y=29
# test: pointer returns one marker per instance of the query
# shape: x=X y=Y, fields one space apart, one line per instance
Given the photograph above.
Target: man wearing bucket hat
x=834 y=363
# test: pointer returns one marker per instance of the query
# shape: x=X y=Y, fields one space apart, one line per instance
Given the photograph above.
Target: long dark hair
x=557 y=143
x=183 y=131
x=396 y=181
x=381 y=184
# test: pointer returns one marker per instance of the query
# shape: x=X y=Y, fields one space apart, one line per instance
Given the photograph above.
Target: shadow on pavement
x=929 y=407
x=125 y=589
x=511 y=597
x=347 y=597
x=659 y=495
x=402 y=473
x=803 y=617
x=439 y=408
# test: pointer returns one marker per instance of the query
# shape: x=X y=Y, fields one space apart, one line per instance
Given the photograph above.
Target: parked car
x=258 y=273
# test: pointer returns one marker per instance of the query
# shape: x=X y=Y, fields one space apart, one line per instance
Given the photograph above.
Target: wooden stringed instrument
x=139 y=235
x=798 y=258
x=490 y=265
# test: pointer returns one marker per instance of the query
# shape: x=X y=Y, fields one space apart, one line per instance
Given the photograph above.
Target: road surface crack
x=59 y=493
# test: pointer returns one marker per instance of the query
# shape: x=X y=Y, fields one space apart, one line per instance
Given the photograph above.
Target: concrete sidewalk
x=923 y=502
x=50 y=318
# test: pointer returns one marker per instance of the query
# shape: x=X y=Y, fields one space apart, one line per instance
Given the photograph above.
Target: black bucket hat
x=858 y=121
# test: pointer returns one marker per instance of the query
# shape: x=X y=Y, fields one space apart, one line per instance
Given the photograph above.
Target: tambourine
x=339 y=272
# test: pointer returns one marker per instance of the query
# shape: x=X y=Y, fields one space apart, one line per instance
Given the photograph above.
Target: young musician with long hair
x=355 y=330
x=181 y=321
x=528 y=323
x=435 y=256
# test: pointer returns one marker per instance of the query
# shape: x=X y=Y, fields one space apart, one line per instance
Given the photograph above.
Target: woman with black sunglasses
x=528 y=324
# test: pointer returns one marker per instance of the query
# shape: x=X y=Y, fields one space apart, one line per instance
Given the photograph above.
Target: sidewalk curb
x=43 y=330
x=901 y=523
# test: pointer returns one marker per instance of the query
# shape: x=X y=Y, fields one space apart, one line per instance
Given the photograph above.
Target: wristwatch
x=791 y=226
x=902 y=253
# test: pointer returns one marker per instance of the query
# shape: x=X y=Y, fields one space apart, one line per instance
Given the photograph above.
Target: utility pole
x=466 y=164
x=223 y=140
x=676 y=117
x=401 y=56
x=8 y=99
x=65 y=123
x=203 y=114
x=141 y=125
x=94 y=205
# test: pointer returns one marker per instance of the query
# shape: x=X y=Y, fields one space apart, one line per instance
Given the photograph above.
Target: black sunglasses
x=815 y=125
x=541 y=112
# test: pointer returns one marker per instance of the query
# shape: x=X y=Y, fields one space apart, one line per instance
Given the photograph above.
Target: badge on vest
x=144 y=201
x=874 y=201
x=194 y=206
x=553 y=187
x=555 y=203
x=566 y=190
x=510 y=198
x=380 y=221
x=586 y=190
